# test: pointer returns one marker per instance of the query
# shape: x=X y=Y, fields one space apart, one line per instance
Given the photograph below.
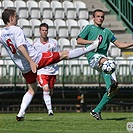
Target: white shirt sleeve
x=20 y=37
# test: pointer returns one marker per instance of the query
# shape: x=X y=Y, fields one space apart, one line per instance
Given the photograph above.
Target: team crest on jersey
x=100 y=39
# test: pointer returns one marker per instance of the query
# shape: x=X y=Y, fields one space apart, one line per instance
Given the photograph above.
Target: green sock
x=107 y=79
x=105 y=99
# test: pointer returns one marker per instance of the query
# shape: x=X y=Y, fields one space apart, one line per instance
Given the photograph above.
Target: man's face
x=14 y=19
x=43 y=32
x=98 y=18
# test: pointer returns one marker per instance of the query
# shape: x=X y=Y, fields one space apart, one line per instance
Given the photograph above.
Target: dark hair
x=7 y=13
x=97 y=10
x=44 y=25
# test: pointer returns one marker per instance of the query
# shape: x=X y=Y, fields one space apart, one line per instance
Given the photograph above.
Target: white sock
x=80 y=51
x=47 y=100
x=25 y=102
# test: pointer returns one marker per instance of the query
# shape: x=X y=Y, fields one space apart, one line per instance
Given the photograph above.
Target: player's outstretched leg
x=81 y=51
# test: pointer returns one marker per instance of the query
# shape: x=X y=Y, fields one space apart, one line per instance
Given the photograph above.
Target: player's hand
x=33 y=66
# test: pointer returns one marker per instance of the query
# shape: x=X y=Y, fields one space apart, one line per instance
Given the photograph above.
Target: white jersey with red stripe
x=51 y=46
x=12 y=37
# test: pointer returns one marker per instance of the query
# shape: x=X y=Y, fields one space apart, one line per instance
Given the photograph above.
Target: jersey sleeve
x=113 y=39
x=84 y=32
x=20 y=37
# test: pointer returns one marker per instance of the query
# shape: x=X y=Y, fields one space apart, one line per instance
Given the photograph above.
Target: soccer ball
x=108 y=66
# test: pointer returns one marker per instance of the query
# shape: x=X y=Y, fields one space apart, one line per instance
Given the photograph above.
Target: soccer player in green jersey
x=96 y=58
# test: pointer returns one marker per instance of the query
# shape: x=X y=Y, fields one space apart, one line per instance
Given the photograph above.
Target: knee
x=45 y=88
x=64 y=54
x=32 y=91
x=102 y=61
x=32 y=88
x=48 y=91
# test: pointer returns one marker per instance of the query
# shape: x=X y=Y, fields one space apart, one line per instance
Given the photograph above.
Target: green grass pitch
x=65 y=123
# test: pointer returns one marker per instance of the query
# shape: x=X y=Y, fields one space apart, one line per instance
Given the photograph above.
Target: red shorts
x=46 y=79
x=47 y=59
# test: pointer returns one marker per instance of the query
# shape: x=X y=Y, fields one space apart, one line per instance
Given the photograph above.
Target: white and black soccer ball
x=108 y=66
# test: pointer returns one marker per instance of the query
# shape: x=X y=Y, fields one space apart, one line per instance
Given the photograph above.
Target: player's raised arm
x=122 y=44
x=82 y=41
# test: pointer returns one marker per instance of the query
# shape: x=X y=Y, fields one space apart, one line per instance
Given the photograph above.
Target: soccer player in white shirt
x=28 y=59
x=46 y=76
